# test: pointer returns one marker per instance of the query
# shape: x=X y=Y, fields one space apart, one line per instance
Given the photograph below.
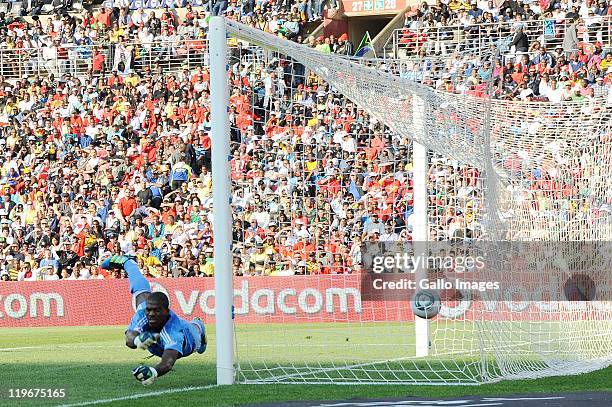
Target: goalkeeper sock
x=138 y=284
x=114 y=262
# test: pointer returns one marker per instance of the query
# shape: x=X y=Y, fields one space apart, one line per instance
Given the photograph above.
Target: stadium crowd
x=118 y=160
x=549 y=46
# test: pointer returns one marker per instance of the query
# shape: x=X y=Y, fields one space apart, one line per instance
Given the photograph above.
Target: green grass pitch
x=92 y=363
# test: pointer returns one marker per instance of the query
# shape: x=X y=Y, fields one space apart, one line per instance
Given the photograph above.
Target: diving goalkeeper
x=155 y=327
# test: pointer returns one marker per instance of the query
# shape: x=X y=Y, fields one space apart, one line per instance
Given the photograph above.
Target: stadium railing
x=78 y=60
x=406 y=42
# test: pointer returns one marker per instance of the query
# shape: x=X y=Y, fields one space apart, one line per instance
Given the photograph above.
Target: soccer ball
x=579 y=287
x=426 y=304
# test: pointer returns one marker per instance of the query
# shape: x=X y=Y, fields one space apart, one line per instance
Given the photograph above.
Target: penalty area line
x=139 y=396
x=53 y=347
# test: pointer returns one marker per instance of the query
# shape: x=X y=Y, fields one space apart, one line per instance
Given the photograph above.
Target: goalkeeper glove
x=146 y=339
x=144 y=374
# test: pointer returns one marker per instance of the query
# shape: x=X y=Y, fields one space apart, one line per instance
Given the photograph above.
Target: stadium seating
x=104 y=123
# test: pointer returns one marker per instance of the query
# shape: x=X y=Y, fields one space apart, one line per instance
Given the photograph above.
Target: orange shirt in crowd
x=98 y=62
x=104 y=17
x=127 y=206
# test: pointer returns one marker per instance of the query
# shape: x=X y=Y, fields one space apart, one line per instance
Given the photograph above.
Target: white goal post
x=222 y=192
x=552 y=177
x=222 y=224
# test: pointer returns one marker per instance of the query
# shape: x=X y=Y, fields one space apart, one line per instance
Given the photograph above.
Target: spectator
x=520 y=40
x=344 y=47
x=570 y=40
x=99 y=162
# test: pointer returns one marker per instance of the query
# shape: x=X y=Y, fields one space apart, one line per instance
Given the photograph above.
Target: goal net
x=325 y=180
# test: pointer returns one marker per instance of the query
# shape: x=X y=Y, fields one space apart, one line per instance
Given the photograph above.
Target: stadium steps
x=382 y=44
x=319 y=29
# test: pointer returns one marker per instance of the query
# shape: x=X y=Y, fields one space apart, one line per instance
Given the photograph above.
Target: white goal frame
x=222 y=220
x=493 y=349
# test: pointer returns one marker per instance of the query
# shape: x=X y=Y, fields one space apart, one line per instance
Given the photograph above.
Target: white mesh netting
x=507 y=173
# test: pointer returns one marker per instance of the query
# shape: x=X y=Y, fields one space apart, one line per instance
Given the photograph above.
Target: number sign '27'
x=367 y=6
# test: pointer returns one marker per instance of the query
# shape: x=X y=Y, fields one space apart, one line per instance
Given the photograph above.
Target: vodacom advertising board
x=293 y=299
x=108 y=302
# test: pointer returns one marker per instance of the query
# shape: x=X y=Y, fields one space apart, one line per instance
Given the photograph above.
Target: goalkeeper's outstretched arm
x=130 y=339
x=167 y=361
x=140 y=340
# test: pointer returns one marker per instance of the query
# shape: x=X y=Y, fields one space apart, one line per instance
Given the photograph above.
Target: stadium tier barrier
x=80 y=60
x=446 y=39
x=406 y=43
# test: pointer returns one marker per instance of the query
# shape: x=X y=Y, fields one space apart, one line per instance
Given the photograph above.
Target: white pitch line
x=415 y=402
x=410 y=403
x=482 y=404
x=139 y=396
x=76 y=345
x=438 y=405
x=520 y=398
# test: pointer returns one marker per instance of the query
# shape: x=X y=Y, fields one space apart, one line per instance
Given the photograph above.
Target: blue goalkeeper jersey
x=176 y=333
